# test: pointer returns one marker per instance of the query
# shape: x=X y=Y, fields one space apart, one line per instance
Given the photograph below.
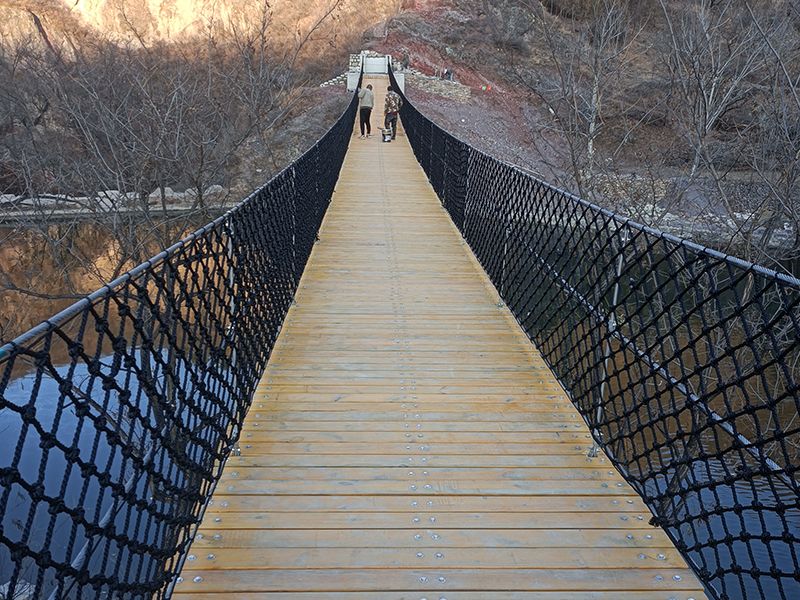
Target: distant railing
x=683 y=361
x=118 y=414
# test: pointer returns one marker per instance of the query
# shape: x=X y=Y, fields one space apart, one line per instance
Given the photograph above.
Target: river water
x=76 y=427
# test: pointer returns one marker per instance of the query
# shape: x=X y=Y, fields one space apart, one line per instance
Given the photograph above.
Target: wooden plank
x=661 y=580
x=551 y=431
x=517 y=504
x=438 y=399
x=463 y=558
x=403 y=384
x=480 y=487
x=428 y=416
x=265 y=458
x=558 y=412
x=404 y=473
x=413 y=520
x=405 y=594
x=407 y=441
x=556 y=446
x=428 y=538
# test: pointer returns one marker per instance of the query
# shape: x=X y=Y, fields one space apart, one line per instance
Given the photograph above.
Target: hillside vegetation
x=684 y=114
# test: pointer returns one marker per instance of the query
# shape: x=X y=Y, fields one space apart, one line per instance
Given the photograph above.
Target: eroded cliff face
x=171 y=19
x=154 y=18
x=20 y=19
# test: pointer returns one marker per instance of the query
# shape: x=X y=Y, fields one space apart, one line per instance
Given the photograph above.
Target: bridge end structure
x=372 y=64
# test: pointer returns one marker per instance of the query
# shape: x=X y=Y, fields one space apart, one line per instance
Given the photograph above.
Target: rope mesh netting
x=118 y=414
x=683 y=361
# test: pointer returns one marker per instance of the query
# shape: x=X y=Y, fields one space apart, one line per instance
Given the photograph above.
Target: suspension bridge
x=409 y=370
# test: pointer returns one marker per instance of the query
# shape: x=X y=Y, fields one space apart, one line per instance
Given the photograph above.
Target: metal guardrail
x=683 y=361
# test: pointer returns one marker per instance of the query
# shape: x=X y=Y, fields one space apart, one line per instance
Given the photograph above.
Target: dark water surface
x=34 y=526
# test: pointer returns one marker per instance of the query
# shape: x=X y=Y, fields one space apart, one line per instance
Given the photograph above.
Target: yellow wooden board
x=409 y=595
x=439 y=580
x=407 y=441
x=603 y=541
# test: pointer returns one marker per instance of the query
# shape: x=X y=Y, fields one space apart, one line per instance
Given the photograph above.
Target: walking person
x=391 y=110
x=366 y=100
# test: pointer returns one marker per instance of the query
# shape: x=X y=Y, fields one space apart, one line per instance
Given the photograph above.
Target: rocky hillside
x=322 y=32
x=684 y=114
x=244 y=65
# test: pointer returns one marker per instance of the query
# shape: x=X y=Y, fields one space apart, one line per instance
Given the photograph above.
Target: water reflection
x=109 y=469
x=46 y=268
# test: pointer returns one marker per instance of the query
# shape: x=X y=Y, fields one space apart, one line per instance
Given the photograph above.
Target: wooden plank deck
x=407 y=441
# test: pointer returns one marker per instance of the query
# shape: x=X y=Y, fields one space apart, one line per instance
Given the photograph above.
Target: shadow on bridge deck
x=407 y=441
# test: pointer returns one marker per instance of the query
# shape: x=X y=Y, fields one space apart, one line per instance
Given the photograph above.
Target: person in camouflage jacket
x=391 y=110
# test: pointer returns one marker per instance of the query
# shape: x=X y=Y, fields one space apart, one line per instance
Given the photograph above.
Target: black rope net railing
x=118 y=414
x=684 y=362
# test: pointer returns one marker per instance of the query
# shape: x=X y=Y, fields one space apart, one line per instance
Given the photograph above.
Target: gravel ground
x=494 y=122
x=488 y=121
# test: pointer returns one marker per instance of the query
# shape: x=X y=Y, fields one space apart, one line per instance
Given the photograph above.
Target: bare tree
x=736 y=107
x=93 y=136
x=581 y=84
x=716 y=58
x=771 y=148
